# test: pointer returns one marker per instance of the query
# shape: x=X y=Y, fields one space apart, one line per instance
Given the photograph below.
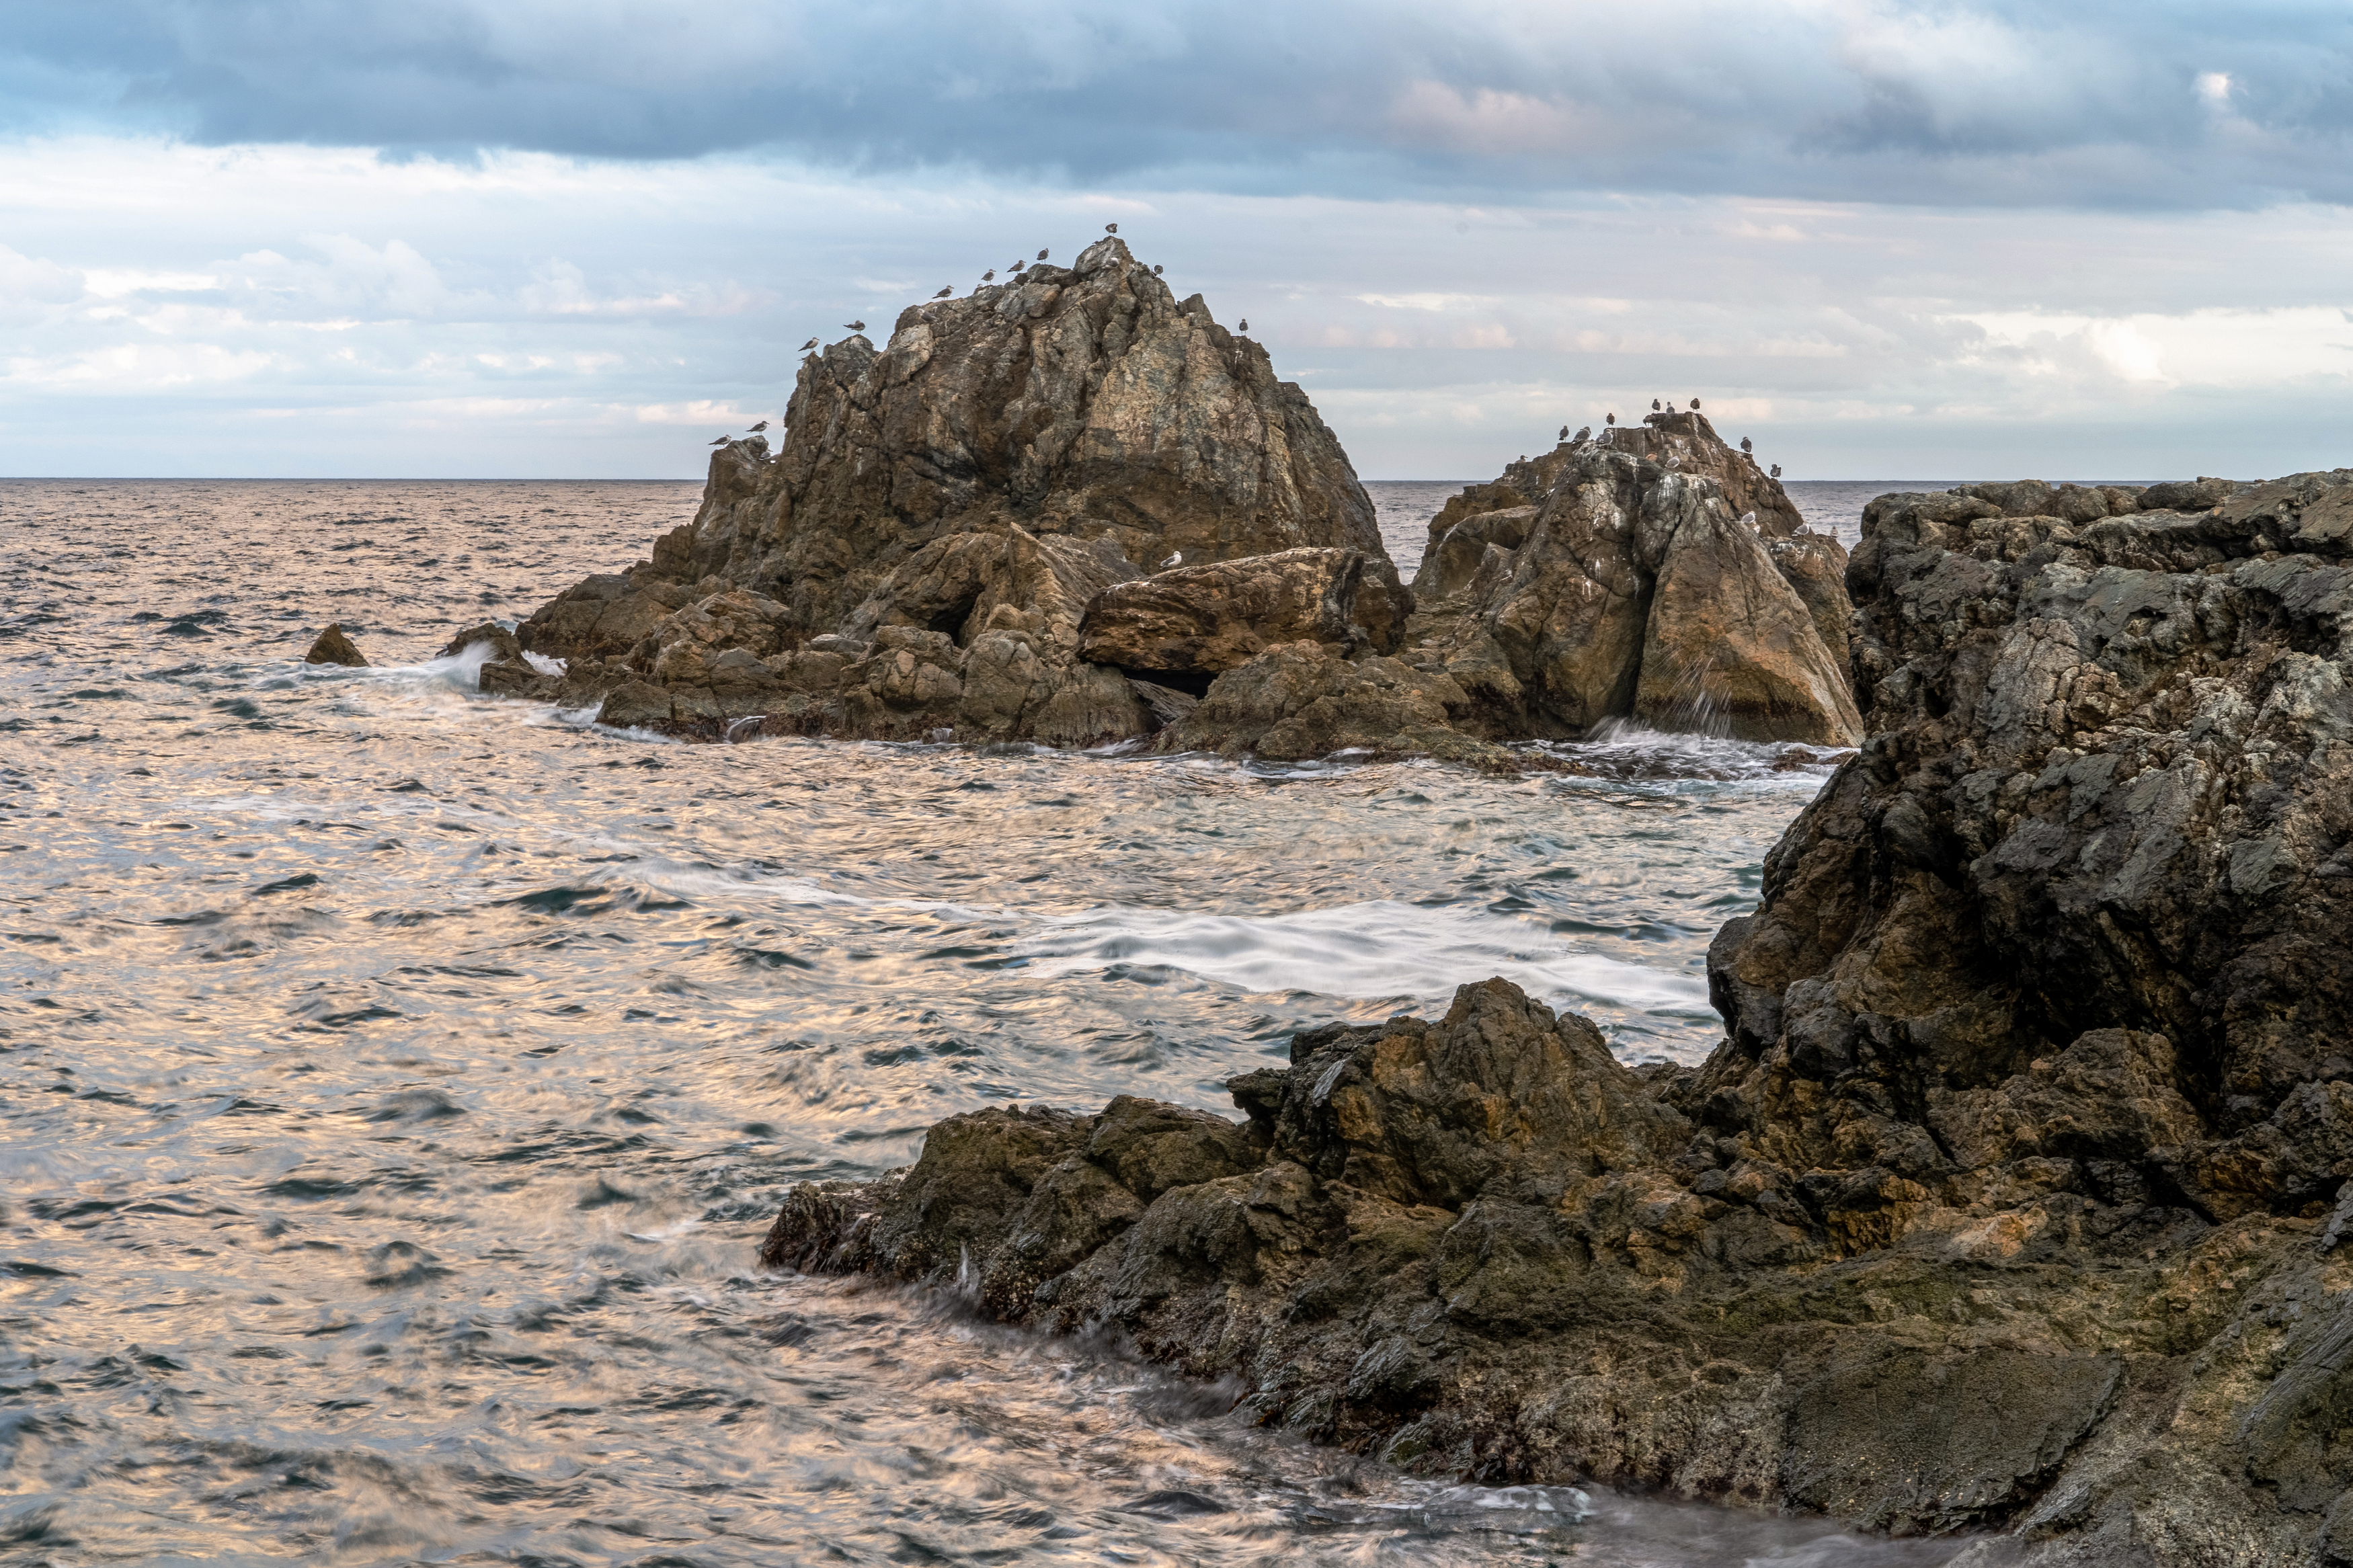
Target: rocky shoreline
x=2014 y=1201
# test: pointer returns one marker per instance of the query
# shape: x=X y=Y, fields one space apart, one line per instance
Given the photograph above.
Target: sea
x=396 y=1082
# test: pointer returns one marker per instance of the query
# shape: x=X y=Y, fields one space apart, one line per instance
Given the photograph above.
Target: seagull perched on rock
x=1175 y=558
x=719 y=440
x=855 y=326
x=944 y=293
x=1610 y=419
x=762 y=424
x=1155 y=272
x=1583 y=431
x=1745 y=446
x=1041 y=256
x=1654 y=406
x=988 y=276
x=808 y=345
x=1111 y=228
x=1564 y=432
x=1694 y=404
x=1243 y=325
x=1776 y=470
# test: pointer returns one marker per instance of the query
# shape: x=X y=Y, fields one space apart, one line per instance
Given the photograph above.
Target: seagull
x=855 y=326
x=1243 y=326
x=1654 y=406
x=1111 y=228
x=1745 y=446
x=944 y=293
x=1583 y=431
x=988 y=276
x=719 y=441
x=1611 y=419
x=762 y=424
x=1564 y=432
x=1155 y=272
x=1776 y=470
x=808 y=345
x=1041 y=256
x=1694 y=404
x=1175 y=558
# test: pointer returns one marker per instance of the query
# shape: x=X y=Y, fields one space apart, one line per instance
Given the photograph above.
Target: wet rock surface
x=2016 y=1197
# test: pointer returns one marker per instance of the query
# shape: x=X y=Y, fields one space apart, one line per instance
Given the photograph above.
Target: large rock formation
x=1002 y=460
x=1656 y=575
x=951 y=545
x=2017 y=1196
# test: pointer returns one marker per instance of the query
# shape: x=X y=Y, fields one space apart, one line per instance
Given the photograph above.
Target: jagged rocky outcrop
x=918 y=557
x=2017 y=1197
x=1649 y=573
x=1058 y=510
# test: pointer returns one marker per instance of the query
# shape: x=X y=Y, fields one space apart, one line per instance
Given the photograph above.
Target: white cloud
x=263 y=309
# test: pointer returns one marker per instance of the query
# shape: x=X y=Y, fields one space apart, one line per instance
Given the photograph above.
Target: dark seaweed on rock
x=2015 y=1197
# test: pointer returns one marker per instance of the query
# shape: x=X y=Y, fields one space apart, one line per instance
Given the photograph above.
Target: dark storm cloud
x=2118 y=105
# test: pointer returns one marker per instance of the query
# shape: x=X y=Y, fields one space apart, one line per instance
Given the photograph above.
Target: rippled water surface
x=395 y=1081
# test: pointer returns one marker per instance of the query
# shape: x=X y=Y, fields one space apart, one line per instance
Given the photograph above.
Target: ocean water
x=394 y=1083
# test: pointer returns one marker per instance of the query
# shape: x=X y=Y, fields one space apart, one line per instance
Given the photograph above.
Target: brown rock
x=332 y=646
x=1728 y=646
x=1634 y=591
x=1202 y=620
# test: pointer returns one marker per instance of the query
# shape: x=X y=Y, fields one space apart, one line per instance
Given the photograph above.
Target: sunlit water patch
x=396 y=1082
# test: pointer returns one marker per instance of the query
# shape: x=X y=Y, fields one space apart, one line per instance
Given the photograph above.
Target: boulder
x=333 y=646
x=1304 y=699
x=1728 y=646
x=505 y=649
x=1203 y=620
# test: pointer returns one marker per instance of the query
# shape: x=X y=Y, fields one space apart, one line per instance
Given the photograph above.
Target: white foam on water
x=1361 y=951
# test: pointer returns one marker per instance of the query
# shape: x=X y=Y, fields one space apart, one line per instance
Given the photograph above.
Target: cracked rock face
x=2017 y=1197
x=1204 y=620
x=1656 y=575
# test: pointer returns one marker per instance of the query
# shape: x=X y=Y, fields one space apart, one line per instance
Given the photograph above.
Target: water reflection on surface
x=396 y=1082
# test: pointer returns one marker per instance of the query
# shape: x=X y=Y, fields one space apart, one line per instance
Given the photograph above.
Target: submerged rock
x=334 y=646
x=2015 y=1198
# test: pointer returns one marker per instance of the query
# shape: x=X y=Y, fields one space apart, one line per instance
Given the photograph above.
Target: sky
x=512 y=239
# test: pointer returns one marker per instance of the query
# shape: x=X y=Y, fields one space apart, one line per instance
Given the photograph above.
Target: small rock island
x=968 y=533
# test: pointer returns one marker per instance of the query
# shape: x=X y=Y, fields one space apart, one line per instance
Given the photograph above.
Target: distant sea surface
x=394 y=1083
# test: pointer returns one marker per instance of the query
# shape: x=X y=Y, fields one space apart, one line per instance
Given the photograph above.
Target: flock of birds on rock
x=1013 y=272
x=1667 y=405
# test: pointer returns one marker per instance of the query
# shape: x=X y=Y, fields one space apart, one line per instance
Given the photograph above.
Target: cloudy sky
x=510 y=237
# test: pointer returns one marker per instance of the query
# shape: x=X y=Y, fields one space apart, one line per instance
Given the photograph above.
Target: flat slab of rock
x=1204 y=620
